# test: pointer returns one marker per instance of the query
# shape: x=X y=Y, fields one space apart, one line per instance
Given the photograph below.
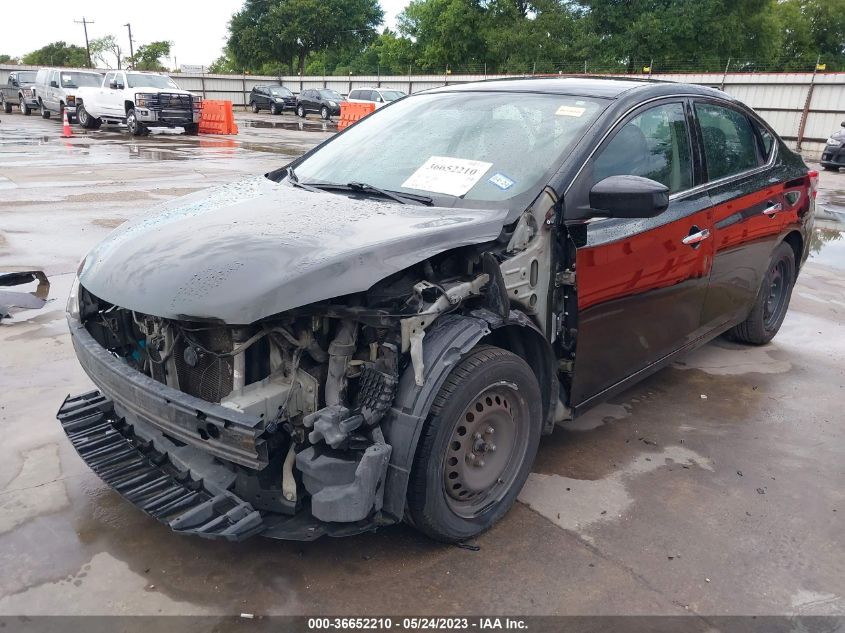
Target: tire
x=136 y=128
x=461 y=482
x=86 y=120
x=45 y=113
x=7 y=107
x=192 y=129
x=274 y=109
x=25 y=109
x=300 y=111
x=324 y=113
x=772 y=302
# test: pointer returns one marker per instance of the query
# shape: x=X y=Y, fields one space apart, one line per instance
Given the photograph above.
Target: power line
x=85 y=24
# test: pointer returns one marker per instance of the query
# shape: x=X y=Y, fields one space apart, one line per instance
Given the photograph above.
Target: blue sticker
x=501 y=181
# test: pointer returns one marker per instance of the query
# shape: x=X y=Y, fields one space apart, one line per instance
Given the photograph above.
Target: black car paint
x=312 y=101
x=263 y=99
x=453 y=336
x=833 y=156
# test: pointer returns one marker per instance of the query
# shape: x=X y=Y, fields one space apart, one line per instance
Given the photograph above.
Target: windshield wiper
x=292 y=178
x=362 y=187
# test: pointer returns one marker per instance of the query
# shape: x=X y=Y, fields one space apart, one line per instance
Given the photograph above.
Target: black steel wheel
x=772 y=302
x=477 y=447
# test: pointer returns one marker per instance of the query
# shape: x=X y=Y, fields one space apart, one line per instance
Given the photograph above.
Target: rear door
x=749 y=206
x=641 y=283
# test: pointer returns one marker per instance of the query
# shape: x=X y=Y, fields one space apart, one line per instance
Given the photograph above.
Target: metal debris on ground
x=23 y=300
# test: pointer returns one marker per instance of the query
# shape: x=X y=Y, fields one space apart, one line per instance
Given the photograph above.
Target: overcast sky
x=197 y=29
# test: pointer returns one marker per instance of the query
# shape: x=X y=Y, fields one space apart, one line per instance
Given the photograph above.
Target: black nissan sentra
x=384 y=329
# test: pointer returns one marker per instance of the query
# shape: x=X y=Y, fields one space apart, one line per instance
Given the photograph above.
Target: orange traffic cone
x=66 y=133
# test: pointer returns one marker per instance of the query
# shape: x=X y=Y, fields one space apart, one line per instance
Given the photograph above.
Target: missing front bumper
x=147 y=478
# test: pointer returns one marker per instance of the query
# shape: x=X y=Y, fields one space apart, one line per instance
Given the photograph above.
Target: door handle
x=694 y=239
x=773 y=208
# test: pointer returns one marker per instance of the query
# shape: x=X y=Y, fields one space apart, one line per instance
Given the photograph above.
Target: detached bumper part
x=344 y=489
x=147 y=478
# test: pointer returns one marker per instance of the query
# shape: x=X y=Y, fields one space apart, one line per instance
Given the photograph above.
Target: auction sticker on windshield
x=452 y=176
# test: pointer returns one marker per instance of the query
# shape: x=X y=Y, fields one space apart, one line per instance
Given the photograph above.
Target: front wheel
x=274 y=109
x=300 y=111
x=45 y=113
x=136 y=128
x=324 y=112
x=24 y=108
x=254 y=107
x=86 y=120
x=477 y=447
x=772 y=302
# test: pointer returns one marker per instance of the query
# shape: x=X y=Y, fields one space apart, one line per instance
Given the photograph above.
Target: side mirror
x=843 y=123
x=119 y=86
x=113 y=85
x=54 y=84
x=15 y=83
x=629 y=197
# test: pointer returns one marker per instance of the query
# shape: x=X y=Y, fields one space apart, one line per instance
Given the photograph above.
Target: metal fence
x=804 y=108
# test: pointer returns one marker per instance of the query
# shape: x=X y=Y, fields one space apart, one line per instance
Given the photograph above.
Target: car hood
x=251 y=249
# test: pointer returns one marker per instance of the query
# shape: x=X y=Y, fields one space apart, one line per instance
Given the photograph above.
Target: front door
x=641 y=283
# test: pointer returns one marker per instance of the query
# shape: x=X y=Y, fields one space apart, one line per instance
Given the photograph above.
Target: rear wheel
x=24 y=108
x=254 y=107
x=772 y=303
x=136 y=128
x=477 y=447
x=7 y=107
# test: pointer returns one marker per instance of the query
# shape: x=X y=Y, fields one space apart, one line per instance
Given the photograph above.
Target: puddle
x=827 y=246
x=301 y=126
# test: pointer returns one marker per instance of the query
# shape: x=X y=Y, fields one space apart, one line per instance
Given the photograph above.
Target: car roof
x=582 y=86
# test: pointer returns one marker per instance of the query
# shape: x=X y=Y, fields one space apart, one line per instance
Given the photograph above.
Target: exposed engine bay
x=319 y=378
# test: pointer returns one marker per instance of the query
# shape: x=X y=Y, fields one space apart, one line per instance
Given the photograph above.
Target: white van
x=379 y=96
x=55 y=89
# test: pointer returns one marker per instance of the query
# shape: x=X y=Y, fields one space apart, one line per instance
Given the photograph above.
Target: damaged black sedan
x=383 y=329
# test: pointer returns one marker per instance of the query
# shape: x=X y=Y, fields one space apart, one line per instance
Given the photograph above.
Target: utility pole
x=85 y=24
x=131 y=47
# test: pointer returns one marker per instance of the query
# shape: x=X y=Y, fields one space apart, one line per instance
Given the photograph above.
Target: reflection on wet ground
x=828 y=244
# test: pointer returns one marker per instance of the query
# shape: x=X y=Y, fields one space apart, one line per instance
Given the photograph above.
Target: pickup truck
x=18 y=91
x=140 y=100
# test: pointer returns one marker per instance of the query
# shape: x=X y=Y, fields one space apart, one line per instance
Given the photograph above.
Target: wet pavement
x=717 y=486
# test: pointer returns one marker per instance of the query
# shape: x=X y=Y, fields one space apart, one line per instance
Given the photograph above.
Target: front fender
x=446 y=342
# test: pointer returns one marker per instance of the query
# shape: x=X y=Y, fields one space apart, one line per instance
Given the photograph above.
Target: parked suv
x=55 y=89
x=833 y=156
x=379 y=96
x=273 y=98
x=19 y=91
x=323 y=100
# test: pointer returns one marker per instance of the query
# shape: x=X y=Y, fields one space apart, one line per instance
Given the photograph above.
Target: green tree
x=445 y=32
x=57 y=54
x=106 y=52
x=288 y=31
x=148 y=56
x=811 y=29
x=8 y=59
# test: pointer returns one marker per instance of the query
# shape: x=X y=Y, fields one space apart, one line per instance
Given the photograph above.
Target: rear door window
x=654 y=144
x=730 y=144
